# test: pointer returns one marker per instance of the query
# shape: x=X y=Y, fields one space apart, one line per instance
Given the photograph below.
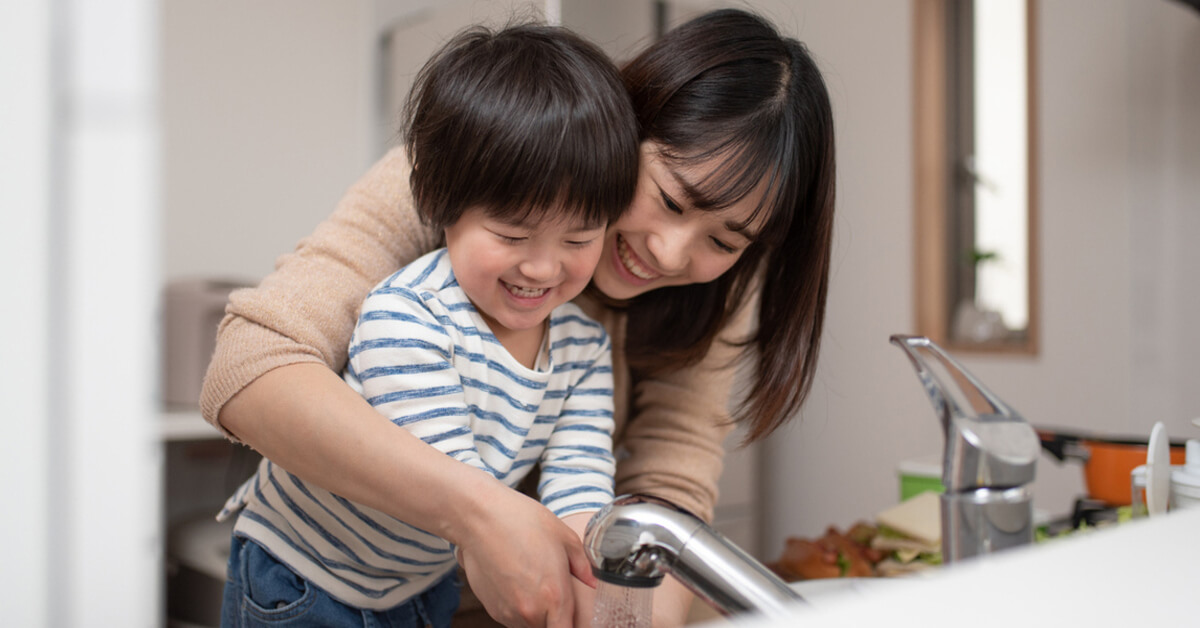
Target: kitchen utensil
x=1107 y=460
x=1158 y=471
x=1185 y=480
x=1158 y=486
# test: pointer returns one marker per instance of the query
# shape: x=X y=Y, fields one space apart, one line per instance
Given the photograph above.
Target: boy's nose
x=540 y=267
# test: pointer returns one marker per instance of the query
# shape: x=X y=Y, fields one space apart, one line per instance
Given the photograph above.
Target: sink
x=824 y=591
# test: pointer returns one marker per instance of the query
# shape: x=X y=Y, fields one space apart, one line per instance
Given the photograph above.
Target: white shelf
x=186 y=425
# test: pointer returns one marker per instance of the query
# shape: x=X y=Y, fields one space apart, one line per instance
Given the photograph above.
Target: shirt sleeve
x=577 y=463
x=400 y=357
x=306 y=309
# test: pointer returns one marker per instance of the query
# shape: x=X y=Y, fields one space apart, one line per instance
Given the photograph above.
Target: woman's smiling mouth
x=632 y=262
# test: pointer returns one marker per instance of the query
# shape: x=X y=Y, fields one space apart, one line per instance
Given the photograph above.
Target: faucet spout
x=636 y=540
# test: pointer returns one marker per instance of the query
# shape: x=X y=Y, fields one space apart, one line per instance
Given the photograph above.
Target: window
x=975 y=182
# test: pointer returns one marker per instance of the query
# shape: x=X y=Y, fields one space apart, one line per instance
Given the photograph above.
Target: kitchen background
x=151 y=143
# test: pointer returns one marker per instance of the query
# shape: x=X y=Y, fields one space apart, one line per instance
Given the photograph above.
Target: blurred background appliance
x=192 y=310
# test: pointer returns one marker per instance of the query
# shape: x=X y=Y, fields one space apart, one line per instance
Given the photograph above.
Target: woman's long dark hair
x=726 y=85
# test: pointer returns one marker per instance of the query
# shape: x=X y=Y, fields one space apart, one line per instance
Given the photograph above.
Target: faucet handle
x=989 y=446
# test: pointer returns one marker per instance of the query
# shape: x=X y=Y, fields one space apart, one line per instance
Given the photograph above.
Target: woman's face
x=664 y=241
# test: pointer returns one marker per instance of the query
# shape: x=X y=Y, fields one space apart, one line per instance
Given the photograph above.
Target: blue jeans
x=261 y=591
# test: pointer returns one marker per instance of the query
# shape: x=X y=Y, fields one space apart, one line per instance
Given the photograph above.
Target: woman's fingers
x=580 y=566
x=520 y=563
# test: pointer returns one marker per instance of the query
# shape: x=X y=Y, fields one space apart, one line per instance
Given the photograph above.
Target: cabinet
x=202 y=469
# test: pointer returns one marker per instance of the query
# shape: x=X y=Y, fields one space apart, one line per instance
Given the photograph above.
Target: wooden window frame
x=932 y=185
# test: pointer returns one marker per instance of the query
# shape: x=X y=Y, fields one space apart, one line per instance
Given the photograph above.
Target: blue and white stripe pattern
x=424 y=358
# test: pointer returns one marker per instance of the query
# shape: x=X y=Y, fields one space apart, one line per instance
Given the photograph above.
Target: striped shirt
x=424 y=357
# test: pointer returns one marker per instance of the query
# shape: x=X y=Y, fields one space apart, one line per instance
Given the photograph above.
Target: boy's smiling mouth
x=522 y=292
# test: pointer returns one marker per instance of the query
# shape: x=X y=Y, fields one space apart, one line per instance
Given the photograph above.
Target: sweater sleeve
x=673 y=446
x=305 y=310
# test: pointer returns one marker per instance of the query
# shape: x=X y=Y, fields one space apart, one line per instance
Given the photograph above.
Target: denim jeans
x=261 y=591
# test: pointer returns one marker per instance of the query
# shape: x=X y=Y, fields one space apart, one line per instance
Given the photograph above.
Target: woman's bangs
x=748 y=164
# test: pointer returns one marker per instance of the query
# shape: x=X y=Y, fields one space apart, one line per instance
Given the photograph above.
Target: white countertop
x=1142 y=573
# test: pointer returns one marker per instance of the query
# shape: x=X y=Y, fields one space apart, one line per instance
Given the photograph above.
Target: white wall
x=81 y=463
x=1118 y=116
x=25 y=74
x=268 y=116
x=1164 y=219
x=834 y=465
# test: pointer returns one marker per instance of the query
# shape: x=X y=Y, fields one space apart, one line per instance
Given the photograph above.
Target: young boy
x=523 y=147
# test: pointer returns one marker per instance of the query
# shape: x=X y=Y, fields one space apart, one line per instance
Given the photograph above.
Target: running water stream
x=622 y=607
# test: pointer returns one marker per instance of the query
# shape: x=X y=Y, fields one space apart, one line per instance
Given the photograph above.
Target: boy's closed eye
x=511 y=239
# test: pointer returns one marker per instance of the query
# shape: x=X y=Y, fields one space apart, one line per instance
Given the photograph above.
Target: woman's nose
x=669 y=248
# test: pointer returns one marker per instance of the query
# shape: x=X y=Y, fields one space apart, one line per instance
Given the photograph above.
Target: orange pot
x=1107 y=461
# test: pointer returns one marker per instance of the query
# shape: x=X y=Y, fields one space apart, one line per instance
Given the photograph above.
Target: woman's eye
x=724 y=247
x=671 y=205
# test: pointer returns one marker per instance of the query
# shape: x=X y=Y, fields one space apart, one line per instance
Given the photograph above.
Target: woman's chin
x=617 y=282
x=614 y=286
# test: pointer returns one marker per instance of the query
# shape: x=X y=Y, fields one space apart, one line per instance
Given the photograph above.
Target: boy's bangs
x=577 y=176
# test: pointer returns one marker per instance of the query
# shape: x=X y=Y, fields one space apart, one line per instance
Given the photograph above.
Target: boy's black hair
x=519 y=121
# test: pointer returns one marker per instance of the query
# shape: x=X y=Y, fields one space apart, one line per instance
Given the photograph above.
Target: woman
x=723 y=256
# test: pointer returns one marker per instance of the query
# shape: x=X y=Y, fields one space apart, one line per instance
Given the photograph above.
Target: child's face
x=516 y=274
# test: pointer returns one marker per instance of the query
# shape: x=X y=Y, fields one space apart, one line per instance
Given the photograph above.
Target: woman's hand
x=522 y=562
x=585 y=591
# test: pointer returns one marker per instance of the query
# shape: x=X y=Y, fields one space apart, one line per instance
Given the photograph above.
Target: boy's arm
x=577 y=463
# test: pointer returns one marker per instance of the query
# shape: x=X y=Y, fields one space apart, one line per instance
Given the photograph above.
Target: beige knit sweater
x=670 y=429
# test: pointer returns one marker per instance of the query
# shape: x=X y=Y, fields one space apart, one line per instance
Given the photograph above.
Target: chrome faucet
x=989 y=460
x=636 y=540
